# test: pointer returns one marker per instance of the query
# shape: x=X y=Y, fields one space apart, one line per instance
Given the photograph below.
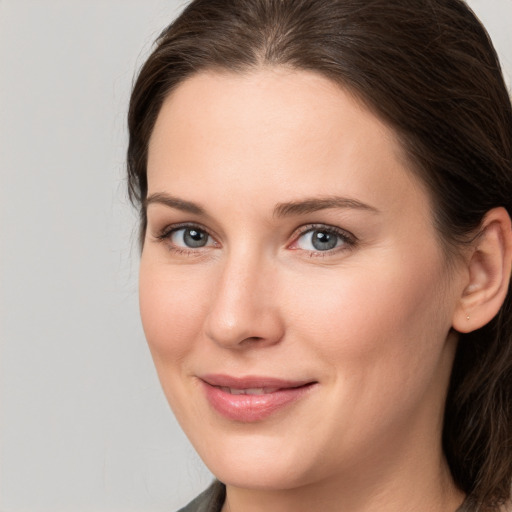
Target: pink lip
x=275 y=394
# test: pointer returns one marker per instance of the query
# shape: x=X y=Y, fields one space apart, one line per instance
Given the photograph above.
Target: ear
x=488 y=273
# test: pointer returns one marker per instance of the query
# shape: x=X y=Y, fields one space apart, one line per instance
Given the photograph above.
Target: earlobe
x=489 y=267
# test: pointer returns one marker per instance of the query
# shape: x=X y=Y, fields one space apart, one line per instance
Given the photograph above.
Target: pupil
x=195 y=238
x=323 y=241
x=195 y=235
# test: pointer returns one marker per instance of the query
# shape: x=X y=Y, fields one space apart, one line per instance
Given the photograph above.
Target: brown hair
x=428 y=68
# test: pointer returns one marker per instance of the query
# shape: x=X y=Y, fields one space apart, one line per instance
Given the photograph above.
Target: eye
x=186 y=239
x=322 y=239
x=190 y=237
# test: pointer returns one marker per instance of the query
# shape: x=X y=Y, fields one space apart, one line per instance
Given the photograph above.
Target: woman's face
x=293 y=290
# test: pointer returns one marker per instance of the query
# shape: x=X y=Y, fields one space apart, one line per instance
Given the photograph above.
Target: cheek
x=376 y=319
x=172 y=306
x=381 y=343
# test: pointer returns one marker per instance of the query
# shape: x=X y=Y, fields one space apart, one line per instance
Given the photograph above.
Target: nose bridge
x=243 y=307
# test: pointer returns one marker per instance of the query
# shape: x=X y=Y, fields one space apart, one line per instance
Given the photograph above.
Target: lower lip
x=252 y=408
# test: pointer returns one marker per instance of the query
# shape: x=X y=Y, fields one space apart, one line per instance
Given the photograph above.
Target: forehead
x=272 y=126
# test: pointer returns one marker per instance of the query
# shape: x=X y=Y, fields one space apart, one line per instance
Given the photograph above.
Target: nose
x=244 y=312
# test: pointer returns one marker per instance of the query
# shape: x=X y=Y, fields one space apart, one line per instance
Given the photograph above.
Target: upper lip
x=252 y=381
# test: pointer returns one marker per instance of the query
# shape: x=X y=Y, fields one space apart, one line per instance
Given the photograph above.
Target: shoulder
x=210 y=500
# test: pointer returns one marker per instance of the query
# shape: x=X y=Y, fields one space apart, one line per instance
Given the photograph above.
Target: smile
x=252 y=399
x=249 y=391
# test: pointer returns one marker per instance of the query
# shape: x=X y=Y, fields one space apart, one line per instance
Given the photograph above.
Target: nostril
x=252 y=340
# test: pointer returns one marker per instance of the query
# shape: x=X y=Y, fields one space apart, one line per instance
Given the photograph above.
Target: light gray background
x=83 y=423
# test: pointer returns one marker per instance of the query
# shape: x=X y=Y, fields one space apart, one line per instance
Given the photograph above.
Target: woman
x=325 y=189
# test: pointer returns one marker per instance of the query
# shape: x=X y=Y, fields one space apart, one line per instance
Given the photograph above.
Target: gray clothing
x=210 y=500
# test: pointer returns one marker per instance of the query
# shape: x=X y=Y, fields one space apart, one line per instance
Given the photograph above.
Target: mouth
x=252 y=399
x=248 y=391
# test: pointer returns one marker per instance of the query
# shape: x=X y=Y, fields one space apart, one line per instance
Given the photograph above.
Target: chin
x=260 y=476
x=257 y=462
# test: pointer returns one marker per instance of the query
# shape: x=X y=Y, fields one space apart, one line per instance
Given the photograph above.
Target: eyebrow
x=315 y=204
x=287 y=209
x=174 y=202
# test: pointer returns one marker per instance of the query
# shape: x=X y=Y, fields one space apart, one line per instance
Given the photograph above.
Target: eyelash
x=348 y=240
